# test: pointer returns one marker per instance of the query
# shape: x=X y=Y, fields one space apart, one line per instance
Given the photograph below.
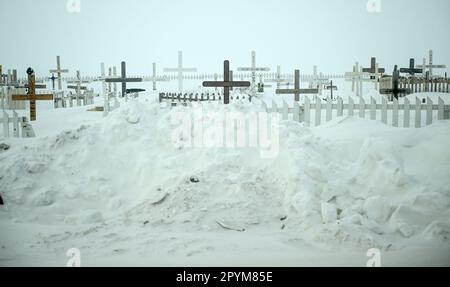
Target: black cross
x=53 y=78
x=395 y=90
x=331 y=88
x=373 y=68
x=226 y=83
x=412 y=70
x=123 y=79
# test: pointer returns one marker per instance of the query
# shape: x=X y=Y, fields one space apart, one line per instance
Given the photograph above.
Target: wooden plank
x=340 y=107
x=418 y=114
x=362 y=108
x=351 y=106
x=440 y=109
x=429 y=111
x=285 y=111
x=5 y=124
x=384 y=110
x=395 y=113
x=274 y=107
x=373 y=109
x=307 y=112
x=318 y=111
x=296 y=112
x=44 y=97
x=15 y=124
x=406 y=113
x=263 y=105
x=329 y=109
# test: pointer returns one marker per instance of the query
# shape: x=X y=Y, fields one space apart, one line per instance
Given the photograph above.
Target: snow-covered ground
x=121 y=191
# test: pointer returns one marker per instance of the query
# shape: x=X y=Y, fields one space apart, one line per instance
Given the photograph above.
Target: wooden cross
x=155 y=78
x=331 y=88
x=180 y=70
x=123 y=79
x=412 y=70
x=226 y=83
x=395 y=90
x=296 y=91
x=59 y=71
x=278 y=79
x=78 y=83
x=31 y=95
x=253 y=68
x=317 y=79
x=375 y=71
x=430 y=65
x=357 y=77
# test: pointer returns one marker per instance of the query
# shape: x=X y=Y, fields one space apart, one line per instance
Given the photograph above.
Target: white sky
x=332 y=34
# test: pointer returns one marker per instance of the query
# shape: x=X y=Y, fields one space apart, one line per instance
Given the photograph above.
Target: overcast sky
x=332 y=34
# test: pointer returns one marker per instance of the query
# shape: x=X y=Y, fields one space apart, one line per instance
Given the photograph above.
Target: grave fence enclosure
x=392 y=113
x=16 y=126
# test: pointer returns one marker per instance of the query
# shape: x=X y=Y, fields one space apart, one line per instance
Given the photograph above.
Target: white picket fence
x=383 y=111
x=20 y=126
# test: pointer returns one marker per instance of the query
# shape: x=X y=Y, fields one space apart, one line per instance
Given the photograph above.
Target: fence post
x=285 y=111
x=429 y=111
x=373 y=109
x=395 y=113
x=307 y=111
x=384 y=110
x=340 y=105
x=362 y=108
x=15 y=124
x=329 y=109
x=351 y=106
x=318 y=111
x=418 y=116
x=296 y=115
x=440 y=109
x=5 y=124
x=406 y=113
x=274 y=107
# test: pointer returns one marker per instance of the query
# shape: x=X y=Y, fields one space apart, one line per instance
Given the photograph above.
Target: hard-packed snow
x=106 y=184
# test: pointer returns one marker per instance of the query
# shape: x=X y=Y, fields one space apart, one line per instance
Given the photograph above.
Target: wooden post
x=31 y=95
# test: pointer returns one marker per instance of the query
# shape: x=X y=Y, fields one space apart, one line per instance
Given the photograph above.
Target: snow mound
x=129 y=169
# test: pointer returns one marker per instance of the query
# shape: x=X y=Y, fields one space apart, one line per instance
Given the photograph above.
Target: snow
x=122 y=191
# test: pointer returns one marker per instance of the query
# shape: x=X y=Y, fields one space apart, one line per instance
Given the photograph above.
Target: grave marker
x=180 y=70
x=31 y=95
x=59 y=71
x=331 y=88
x=253 y=69
x=395 y=91
x=226 y=83
x=123 y=79
x=296 y=91
x=430 y=65
x=375 y=71
x=412 y=70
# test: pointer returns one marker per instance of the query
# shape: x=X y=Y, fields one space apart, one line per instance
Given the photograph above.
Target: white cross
x=430 y=65
x=180 y=70
x=357 y=77
x=278 y=78
x=253 y=68
x=59 y=71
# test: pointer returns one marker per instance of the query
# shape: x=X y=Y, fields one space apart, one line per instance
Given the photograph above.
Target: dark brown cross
x=296 y=91
x=226 y=83
x=332 y=88
x=31 y=95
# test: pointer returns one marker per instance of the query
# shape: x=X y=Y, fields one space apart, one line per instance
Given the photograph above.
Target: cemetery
x=217 y=159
